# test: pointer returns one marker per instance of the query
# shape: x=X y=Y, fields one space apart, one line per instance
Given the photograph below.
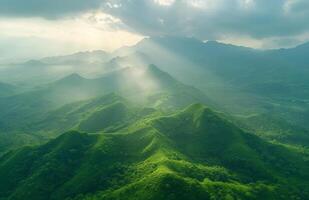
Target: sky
x=39 y=28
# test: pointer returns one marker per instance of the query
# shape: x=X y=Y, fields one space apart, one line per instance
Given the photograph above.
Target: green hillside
x=78 y=103
x=243 y=82
x=7 y=90
x=148 y=85
x=239 y=81
x=191 y=154
x=132 y=125
x=107 y=113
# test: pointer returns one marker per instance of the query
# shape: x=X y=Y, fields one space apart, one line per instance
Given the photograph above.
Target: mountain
x=46 y=70
x=242 y=81
x=78 y=58
x=35 y=110
x=159 y=157
x=275 y=128
x=7 y=89
x=108 y=113
x=135 y=83
x=239 y=67
x=296 y=55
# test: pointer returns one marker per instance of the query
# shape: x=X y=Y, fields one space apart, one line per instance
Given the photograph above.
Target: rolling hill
x=7 y=90
x=191 y=154
x=107 y=113
x=243 y=82
x=35 y=110
x=112 y=126
x=239 y=81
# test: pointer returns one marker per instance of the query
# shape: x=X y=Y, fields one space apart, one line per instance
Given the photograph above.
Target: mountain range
x=243 y=82
x=157 y=157
x=168 y=118
x=146 y=86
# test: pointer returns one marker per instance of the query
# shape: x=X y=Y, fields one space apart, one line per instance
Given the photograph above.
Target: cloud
x=47 y=8
x=213 y=19
x=258 y=21
x=28 y=38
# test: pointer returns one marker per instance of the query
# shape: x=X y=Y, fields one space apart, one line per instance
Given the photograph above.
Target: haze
x=54 y=27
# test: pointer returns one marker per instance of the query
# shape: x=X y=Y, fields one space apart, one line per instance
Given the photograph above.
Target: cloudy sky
x=36 y=28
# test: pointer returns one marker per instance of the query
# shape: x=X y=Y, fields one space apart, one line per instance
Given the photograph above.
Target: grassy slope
x=6 y=90
x=44 y=110
x=240 y=80
x=29 y=107
x=193 y=154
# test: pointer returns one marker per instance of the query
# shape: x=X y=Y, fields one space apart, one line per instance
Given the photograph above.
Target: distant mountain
x=108 y=113
x=273 y=127
x=242 y=81
x=38 y=72
x=131 y=59
x=7 y=90
x=147 y=86
x=235 y=65
x=135 y=83
x=227 y=61
x=297 y=54
x=159 y=157
x=78 y=58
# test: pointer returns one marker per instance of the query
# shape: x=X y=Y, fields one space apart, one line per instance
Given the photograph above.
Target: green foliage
x=191 y=154
x=147 y=147
x=7 y=90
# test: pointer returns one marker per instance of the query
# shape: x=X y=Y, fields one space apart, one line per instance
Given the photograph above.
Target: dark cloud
x=46 y=8
x=210 y=19
x=204 y=19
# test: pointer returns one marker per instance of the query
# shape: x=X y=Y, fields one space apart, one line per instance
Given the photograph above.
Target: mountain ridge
x=145 y=161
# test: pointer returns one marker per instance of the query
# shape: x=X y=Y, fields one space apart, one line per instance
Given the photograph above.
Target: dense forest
x=167 y=118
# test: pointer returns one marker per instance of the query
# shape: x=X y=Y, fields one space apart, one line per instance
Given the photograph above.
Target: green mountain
x=65 y=101
x=243 y=82
x=148 y=84
x=107 y=113
x=97 y=125
x=275 y=128
x=78 y=58
x=7 y=90
x=49 y=69
x=191 y=154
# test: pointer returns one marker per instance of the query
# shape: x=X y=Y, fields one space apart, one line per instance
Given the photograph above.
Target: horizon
x=154 y=100
x=61 y=28
x=11 y=61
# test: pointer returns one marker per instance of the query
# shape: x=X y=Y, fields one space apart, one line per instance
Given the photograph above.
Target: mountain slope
x=46 y=70
x=157 y=158
x=147 y=85
x=242 y=81
x=60 y=106
x=6 y=89
x=78 y=58
x=203 y=135
x=107 y=113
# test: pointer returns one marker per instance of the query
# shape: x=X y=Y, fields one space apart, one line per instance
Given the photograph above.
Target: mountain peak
x=200 y=112
x=213 y=42
x=195 y=107
x=217 y=44
x=303 y=46
x=72 y=78
x=34 y=63
x=153 y=67
x=169 y=41
x=94 y=53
